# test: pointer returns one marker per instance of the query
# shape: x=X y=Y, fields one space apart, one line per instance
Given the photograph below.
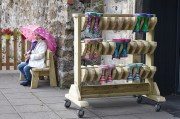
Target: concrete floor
x=19 y=102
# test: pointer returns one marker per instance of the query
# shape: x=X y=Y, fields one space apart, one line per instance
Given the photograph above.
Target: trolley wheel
x=157 y=107
x=67 y=103
x=139 y=99
x=81 y=113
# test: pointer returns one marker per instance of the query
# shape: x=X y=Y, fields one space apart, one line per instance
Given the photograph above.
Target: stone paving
x=18 y=102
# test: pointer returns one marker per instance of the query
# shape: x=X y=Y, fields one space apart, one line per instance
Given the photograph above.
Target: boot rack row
x=108 y=47
x=117 y=23
x=112 y=72
x=148 y=88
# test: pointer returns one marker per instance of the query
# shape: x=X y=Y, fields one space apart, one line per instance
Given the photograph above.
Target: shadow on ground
x=172 y=105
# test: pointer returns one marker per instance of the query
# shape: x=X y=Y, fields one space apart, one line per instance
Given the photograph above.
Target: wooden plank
x=44 y=73
x=106 y=15
x=115 y=94
x=7 y=55
x=0 y=52
x=77 y=50
x=114 y=90
x=52 y=74
x=22 y=49
x=15 y=50
x=11 y=64
x=150 y=57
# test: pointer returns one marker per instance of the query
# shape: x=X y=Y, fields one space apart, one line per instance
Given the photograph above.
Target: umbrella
x=29 y=32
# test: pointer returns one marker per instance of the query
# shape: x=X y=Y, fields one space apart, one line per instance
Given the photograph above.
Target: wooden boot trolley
x=148 y=88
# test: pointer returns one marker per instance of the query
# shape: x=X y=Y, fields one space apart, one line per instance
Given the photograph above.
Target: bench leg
x=52 y=79
x=34 y=80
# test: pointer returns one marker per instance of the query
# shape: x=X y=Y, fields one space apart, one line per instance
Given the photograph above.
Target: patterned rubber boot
x=96 y=31
x=110 y=67
x=140 y=17
x=136 y=78
x=146 y=21
x=89 y=45
x=103 y=78
x=96 y=50
x=124 y=51
x=88 y=32
x=130 y=77
x=88 y=51
x=119 y=42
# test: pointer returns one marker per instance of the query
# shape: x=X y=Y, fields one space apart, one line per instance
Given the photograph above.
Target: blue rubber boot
x=124 y=51
x=136 y=78
x=130 y=77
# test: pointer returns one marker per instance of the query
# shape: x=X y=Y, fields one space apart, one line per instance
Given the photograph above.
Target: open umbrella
x=29 y=32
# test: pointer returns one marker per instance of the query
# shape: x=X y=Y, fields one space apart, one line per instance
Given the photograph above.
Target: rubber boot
x=146 y=23
x=88 y=50
x=103 y=76
x=119 y=43
x=124 y=51
x=88 y=32
x=136 y=78
x=140 y=18
x=96 y=31
x=130 y=77
x=110 y=67
x=96 y=52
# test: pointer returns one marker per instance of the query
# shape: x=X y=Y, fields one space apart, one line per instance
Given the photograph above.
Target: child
x=35 y=57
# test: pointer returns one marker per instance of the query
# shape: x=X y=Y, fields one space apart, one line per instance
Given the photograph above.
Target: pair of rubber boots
x=89 y=43
x=142 y=22
x=106 y=69
x=92 y=29
x=118 y=53
x=132 y=67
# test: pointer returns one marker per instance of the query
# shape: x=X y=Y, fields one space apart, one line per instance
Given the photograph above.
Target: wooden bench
x=47 y=71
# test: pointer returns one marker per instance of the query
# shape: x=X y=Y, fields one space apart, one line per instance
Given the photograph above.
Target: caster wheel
x=139 y=99
x=67 y=103
x=157 y=107
x=81 y=113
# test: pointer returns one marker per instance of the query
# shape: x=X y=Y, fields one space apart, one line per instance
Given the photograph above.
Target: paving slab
x=32 y=108
x=40 y=115
x=52 y=100
x=10 y=116
x=44 y=89
x=58 y=106
x=2 y=97
x=5 y=109
x=4 y=103
x=19 y=95
x=48 y=94
x=122 y=117
x=28 y=101
x=16 y=90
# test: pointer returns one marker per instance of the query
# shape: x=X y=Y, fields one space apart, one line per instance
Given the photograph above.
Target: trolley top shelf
x=108 y=15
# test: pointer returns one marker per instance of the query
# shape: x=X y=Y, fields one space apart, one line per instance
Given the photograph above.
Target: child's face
x=37 y=36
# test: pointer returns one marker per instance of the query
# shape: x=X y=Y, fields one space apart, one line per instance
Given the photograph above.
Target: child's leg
x=27 y=72
x=21 y=67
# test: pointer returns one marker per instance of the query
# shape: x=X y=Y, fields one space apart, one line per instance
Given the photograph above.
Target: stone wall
x=55 y=16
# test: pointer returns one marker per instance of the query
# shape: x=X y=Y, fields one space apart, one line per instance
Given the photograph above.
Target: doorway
x=167 y=35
